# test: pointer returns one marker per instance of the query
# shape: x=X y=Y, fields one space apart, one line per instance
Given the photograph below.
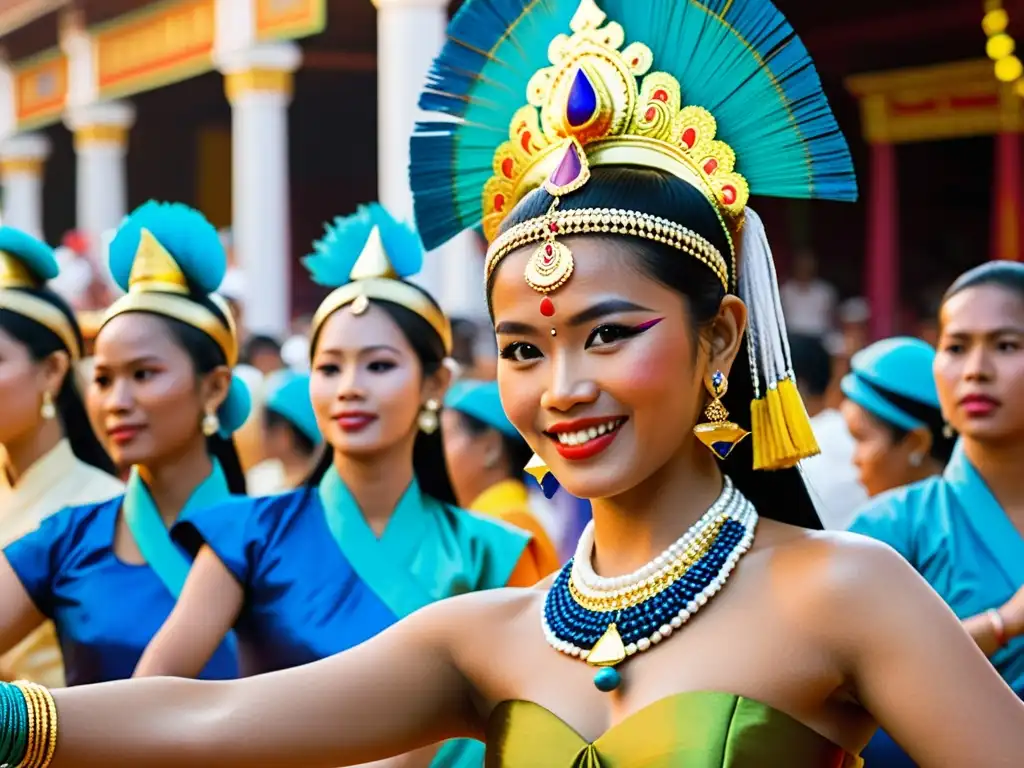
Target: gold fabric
x=696 y=730
x=56 y=481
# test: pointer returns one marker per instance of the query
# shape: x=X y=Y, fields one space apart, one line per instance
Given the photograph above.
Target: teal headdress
x=367 y=256
x=888 y=376
x=719 y=93
x=289 y=397
x=480 y=400
x=167 y=257
x=27 y=263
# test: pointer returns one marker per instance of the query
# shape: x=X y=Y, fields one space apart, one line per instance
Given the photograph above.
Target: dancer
x=290 y=437
x=698 y=624
x=374 y=535
x=486 y=458
x=107 y=574
x=49 y=454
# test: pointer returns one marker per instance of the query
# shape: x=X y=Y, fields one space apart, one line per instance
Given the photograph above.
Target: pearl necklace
x=584 y=613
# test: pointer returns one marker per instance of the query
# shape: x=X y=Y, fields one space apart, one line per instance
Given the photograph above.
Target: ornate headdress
x=367 y=256
x=26 y=264
x=737 y=108
x=167 y=257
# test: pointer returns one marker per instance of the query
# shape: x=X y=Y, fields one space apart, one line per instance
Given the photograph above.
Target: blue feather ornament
x=35 y=255
x=739 y=59
x=191 y=240
x=337 y=251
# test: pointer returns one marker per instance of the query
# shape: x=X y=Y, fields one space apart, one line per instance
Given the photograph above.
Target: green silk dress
x=689 y=730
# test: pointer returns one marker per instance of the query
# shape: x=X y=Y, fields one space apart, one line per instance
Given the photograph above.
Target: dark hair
x=942 y=446
x=779 y=495
x=41 y=342
x=1004 y=274
x=274 y=420
x=428 y=461
x=206 y=355
x=517 y=451
x=464 y=336
x=256 y=345
x=812 y=363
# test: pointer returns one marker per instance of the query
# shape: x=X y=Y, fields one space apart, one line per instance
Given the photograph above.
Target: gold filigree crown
x=620 y=112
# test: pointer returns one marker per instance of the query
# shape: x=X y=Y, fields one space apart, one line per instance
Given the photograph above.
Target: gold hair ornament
x=14 y=277
x=157 y=285
x=373 y=277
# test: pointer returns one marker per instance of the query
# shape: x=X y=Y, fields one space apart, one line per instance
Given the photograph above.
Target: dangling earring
x=718 y=433
x=48 y=410
x=947 y=431
x=211 y=424
x=427 y=420
x=538 y=470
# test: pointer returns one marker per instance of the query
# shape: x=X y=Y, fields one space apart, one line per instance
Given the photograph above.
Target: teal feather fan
x=191 y=240
x=337 y=251
x=739 y=59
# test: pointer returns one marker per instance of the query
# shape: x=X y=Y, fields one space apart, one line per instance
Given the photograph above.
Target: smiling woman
x=161 y=389
x=696 y=625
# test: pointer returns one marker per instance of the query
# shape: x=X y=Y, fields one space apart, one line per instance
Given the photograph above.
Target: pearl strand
x=590 y=584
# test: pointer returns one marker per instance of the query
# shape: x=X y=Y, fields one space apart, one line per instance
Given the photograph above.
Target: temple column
x=410 y=33
x=1007 y=204
x=258 y=83
x=882 y=267
x=21 y=171
x=101 y=186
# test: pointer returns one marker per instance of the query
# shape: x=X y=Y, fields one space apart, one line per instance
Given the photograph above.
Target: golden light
x=1009 y=69
x=1000 y=46
x=995 y=22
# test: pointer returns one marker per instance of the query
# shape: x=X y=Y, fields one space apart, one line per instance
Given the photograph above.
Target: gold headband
x=157 y=285
x=14 y=275
x=373 y=277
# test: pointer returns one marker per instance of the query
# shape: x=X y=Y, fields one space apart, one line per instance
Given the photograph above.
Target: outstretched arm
x=397 y=692
x=206 y=610
x=915 y=668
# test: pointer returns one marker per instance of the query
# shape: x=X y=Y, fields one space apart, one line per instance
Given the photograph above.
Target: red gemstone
x=635 y=62
x=547 y=307
x=507 y=167
x=650 y=114
x=689 y=138
x=710 y=166
x=728 y=195
x=661 y=95
x=553 y=226
x=548 y=249
x=525 y=140
x=499 y=203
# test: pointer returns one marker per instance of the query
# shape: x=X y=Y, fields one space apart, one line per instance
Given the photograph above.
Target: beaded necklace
x=603 y=621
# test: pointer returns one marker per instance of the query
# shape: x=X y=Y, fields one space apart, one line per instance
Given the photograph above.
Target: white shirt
x=808 y=308
x=57 y=480
x=831 y=476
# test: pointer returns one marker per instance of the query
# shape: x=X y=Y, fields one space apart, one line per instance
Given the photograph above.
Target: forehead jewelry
x=551 y=264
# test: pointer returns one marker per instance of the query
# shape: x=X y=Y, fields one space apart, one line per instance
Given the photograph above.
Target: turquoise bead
x=607 y=679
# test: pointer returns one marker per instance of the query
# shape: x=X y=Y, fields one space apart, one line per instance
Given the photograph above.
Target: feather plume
x=336 y=252
x=740 y=59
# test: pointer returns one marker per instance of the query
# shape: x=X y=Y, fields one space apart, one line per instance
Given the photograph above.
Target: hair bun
x=184 y=232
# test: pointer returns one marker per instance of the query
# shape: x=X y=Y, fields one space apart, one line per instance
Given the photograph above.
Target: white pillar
x=21 y=168
x=258 y=83
x=101 y=186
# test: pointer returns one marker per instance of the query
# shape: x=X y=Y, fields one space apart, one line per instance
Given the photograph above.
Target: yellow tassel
x=760 y=434
x=797 y=419
x=785 y=449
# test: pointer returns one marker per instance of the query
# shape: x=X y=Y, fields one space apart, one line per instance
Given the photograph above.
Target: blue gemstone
x=607 y=679
x=717 y=378
x=582 y=102
x=721 y=448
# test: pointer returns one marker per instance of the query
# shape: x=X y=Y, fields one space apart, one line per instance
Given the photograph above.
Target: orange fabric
x=526 y=573
x=544 y=554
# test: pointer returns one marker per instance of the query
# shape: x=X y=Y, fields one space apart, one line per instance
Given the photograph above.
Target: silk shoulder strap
x=167 y=560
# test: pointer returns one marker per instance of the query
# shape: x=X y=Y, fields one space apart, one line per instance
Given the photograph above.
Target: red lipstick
x=979 y=406
x=583 y=439
x=354 y=421
x=124 y=434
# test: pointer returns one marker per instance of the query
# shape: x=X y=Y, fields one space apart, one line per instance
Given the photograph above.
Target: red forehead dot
x=547 y=307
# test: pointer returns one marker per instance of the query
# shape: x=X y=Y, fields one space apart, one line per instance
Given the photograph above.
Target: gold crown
x=15 y=275
x=374 y=277
x=593 y=94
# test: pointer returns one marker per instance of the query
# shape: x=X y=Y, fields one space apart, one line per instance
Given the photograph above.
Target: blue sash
x=153 y=538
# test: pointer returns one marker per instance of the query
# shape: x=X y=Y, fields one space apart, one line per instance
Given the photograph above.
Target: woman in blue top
x=963 y=530
x=375 y=534
x=163 y=398
x=893 y=414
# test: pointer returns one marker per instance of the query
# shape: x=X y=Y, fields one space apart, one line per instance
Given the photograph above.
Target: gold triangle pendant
x=609 y=650
x=720 y=436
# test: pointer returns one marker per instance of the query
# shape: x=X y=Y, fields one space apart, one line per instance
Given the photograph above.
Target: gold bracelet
x=42 y=725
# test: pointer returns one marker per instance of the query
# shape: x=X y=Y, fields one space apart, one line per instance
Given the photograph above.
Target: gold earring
x=718 y=433
x=211 y=424
x=538 y=470
x=427 y=420
x=947 y=431
x=48 y=410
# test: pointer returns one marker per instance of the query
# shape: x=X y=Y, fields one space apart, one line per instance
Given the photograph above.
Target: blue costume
x=166 y=256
